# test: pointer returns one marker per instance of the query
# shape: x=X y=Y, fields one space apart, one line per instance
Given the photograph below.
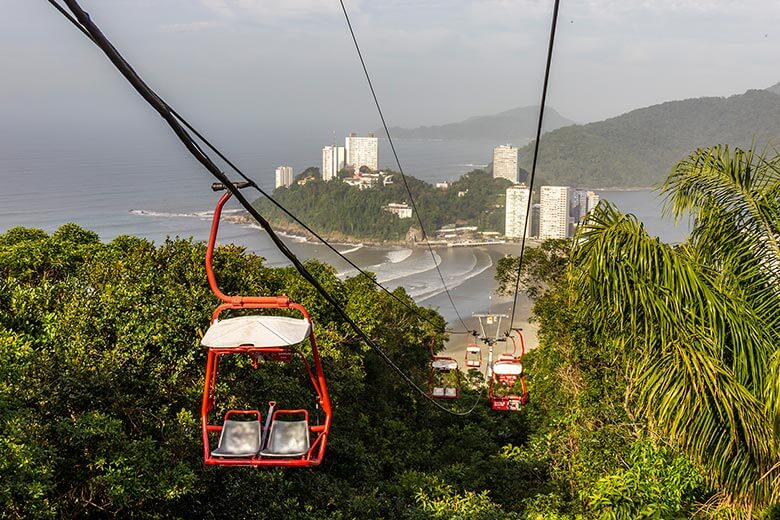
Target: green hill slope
x=515 y=125
x=640 y=147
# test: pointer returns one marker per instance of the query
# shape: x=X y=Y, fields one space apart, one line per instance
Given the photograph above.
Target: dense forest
x=338 y=210
x=640 y=147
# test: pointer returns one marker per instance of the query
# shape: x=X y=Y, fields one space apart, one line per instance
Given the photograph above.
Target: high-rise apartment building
x=516 y=207
x=505 y=162
x=554 y=212
x=362 y=151
x=592 y=201
x=284 y=176
x=333 y=160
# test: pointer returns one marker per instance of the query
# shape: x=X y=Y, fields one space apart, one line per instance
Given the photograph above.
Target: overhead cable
x=268 y=196
x=398 y=163
x=536 y=157
x=162 y=108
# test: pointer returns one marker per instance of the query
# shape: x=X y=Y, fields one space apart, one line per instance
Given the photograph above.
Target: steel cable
x=89 y=28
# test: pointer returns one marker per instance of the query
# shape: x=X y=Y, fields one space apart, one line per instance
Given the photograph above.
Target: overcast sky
x=275 y=65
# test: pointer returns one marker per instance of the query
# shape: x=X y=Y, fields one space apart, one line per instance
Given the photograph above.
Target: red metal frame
x=317 y=378
x=435 y=372
x=510 y=402
x=473 y=362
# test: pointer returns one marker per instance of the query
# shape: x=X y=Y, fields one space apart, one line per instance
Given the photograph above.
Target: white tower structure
x=554 y=212
x=333 y=160
x=592 y=201
x=516 y=206
x=284 y=176
x=505 y=162
x=362 y=151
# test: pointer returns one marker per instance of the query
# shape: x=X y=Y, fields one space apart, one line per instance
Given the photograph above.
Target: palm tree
x=699 y=323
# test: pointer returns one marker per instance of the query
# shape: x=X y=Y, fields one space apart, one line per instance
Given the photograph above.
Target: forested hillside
x=101 y=375
x=344 y=212
x=775 y=88
x=511 y=126
x=639 y=148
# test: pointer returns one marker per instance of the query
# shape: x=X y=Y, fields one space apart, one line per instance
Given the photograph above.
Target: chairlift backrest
x=444 y=364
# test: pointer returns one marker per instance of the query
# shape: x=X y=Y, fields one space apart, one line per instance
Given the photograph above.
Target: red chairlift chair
x=507 y=372
x=443 y=377
x=473 y=356
x=286 y=438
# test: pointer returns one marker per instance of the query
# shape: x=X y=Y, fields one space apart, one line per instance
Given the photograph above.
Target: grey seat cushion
x=287 y=439
x=238 y=439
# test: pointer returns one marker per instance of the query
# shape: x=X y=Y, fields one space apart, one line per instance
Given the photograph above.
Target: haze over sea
x=146 y=184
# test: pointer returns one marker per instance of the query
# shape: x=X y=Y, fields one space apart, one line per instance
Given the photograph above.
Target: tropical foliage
x=101 y=376
x=666 y=356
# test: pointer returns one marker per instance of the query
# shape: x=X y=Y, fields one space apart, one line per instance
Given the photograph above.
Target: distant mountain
x=775 y=88
x=518 y=124
x=640 y=148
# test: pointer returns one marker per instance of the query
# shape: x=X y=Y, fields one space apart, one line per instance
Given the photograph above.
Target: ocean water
x=147 y=185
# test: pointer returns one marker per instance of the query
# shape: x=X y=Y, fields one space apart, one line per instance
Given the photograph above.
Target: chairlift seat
x=259 y=331
x=287 y=439
x=445 y=391
x=508 y=369
x=444 y=364
x=238 y=439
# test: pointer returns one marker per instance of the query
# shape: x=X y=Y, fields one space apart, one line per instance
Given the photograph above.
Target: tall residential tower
x=554 y=212
x=362 y=151
x=516 y=207
x=333 y=160
x=284 y=176
x=505 y=162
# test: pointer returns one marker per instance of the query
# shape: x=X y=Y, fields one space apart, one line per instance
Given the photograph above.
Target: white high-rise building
x=284 y=176
x=516 y=207
x=592 y=201
x=333 y=160
x=554 y=212
x=505 y=162
x=362 y=151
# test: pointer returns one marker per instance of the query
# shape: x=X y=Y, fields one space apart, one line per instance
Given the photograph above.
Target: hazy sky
x=273 y=66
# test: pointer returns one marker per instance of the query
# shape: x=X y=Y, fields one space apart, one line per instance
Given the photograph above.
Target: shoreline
x=295 y=231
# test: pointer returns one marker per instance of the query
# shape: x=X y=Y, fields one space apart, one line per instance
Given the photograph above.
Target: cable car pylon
x=490 y=341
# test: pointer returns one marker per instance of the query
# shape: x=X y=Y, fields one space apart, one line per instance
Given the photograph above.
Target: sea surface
x=149 y=186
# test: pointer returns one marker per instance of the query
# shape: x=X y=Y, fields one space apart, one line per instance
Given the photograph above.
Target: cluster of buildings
x=556 y=214
x=358 y=152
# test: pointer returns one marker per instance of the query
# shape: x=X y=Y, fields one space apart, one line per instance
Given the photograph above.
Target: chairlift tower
x=490 y=319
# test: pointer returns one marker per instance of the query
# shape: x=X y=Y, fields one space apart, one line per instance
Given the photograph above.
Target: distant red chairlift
x=473 y=356
x=507 y=370
x=444 y=378
x=281 y=441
